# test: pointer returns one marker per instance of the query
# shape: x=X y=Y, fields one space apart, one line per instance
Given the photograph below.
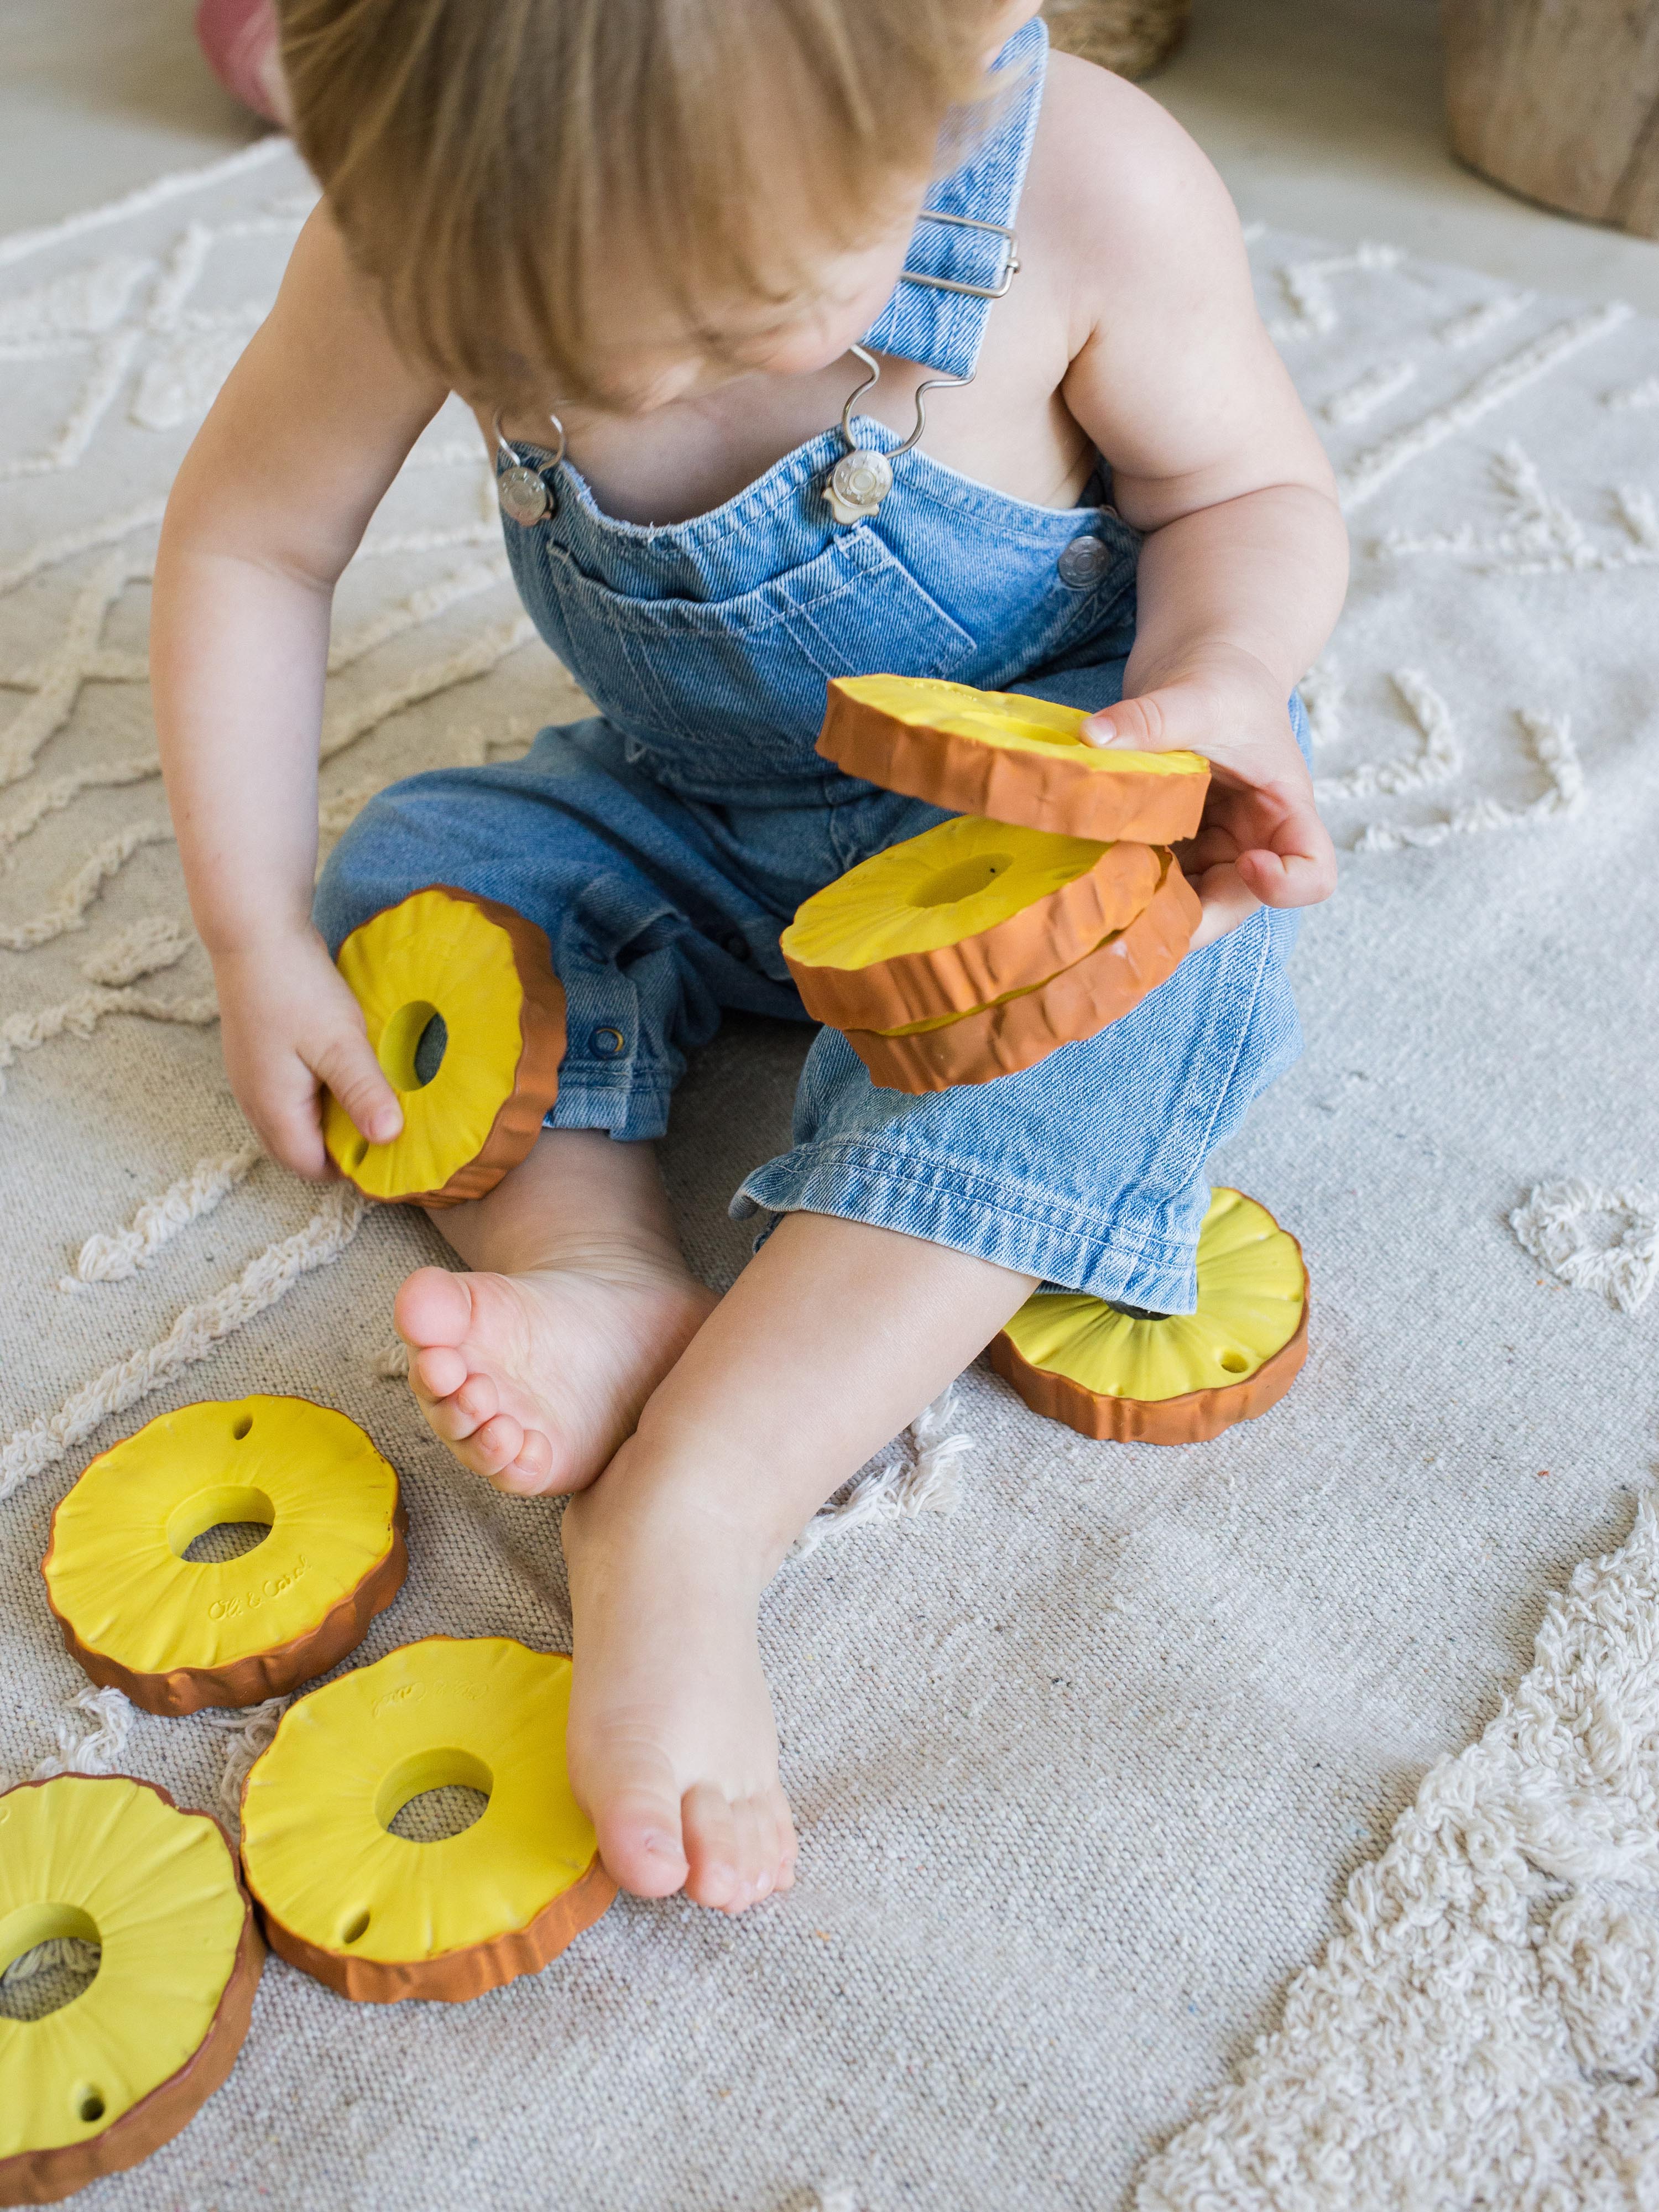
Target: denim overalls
x=664 y=843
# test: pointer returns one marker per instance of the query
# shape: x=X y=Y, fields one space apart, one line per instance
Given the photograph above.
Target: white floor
x=1324 y=116
x=97 y=96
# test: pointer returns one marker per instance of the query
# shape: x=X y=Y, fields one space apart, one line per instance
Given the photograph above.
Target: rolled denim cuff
x=1143 y=1256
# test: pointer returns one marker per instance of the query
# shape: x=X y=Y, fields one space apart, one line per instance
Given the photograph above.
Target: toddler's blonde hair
x=488 y=160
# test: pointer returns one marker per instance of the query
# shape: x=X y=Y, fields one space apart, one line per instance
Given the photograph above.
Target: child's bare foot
x=534 y=1369
x=834 y=1336
x=671 y=1743
x=533 y=1380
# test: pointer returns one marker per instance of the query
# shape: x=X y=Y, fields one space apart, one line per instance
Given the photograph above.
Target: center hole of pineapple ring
x=49 y=1954
x=413 y=1044
x=219 y=1524
x=961 y=879
x=434 y=1795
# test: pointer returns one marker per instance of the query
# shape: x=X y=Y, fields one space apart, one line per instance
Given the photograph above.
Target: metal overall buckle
x=862 y=478
x=949 y=284
x=524 y=494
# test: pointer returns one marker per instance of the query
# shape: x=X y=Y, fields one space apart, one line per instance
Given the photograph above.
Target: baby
x=646 y=239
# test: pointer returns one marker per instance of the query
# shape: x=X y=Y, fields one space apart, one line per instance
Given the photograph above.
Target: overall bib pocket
x=723 y=693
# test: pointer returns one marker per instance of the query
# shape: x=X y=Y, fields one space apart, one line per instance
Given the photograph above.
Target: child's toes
x=438 y=1371
x=788 y=1843
x=756 y=1853
x=637 y=1821
x=495 y=1444
x=478 y=1399
x=432 y=1307
x=773 y=1864
x=769 y=1875
x=530 y=1473
x=714 y=1848
x=464 y=1411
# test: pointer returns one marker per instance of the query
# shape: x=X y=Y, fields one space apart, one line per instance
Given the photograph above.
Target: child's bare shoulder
x=326 y=307
x=1171 y=372
x=1120 y=194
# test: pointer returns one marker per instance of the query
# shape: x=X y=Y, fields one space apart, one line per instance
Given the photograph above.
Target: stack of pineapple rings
x=1049 y=906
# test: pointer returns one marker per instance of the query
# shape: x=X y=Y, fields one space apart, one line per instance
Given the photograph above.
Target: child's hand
x=1261 y=842
x=290 y=1022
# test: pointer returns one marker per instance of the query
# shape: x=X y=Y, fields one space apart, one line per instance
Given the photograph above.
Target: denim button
x=1084 y=562
x=607 y=1044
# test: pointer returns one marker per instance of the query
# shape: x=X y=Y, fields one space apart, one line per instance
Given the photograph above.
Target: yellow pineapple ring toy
x=950 y=920
x=1179 y=1378
x=1024 y=1026
x=450 y=956
x=119 y=2070
x=1016 y=759
x=176 y=1635
x=378 y=1916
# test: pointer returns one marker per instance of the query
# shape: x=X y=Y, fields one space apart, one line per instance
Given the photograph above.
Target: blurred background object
x=1558 y=100
x=1130 y=36
x=240 y=39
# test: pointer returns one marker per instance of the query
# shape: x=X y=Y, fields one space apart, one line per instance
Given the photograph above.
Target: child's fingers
x=1231 y=890
x=1288 y=878
x=1226 y=899
x=288 y=1130
x=1298 y=867
x=346 y=1066
x=1260 y=807
x=1177 y=717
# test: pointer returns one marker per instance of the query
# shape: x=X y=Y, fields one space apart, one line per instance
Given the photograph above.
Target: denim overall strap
x=963 y=238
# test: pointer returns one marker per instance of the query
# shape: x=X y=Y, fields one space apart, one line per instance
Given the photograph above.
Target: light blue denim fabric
x=957 y=243
x=664 y=843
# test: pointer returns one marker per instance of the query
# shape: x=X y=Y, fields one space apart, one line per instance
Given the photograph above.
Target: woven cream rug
x=1093 y=1767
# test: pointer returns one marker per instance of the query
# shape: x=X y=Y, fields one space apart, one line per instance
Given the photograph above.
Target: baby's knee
x=342 y=898
x=401 y=839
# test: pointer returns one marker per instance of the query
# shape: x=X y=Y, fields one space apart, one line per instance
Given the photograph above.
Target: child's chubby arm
x=269 y=506
x=1244 y=563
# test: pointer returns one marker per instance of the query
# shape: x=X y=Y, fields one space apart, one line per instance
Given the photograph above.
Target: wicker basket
x=1556 y=99
x=1130 y=36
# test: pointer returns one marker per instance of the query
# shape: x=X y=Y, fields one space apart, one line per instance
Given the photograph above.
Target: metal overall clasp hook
x=862 y=478
x=526 y=496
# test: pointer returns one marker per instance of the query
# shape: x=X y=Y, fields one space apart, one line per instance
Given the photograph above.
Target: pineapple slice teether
x=110 y=2076
x=377 y=1916
x=963 y=915
x=1023 y=1027
x=448 y=958
x=1174 y=1378
x=176 y=1634
x=1012 y=757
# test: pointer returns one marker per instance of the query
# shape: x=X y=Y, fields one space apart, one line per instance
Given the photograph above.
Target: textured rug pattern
x=1096 y=1749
